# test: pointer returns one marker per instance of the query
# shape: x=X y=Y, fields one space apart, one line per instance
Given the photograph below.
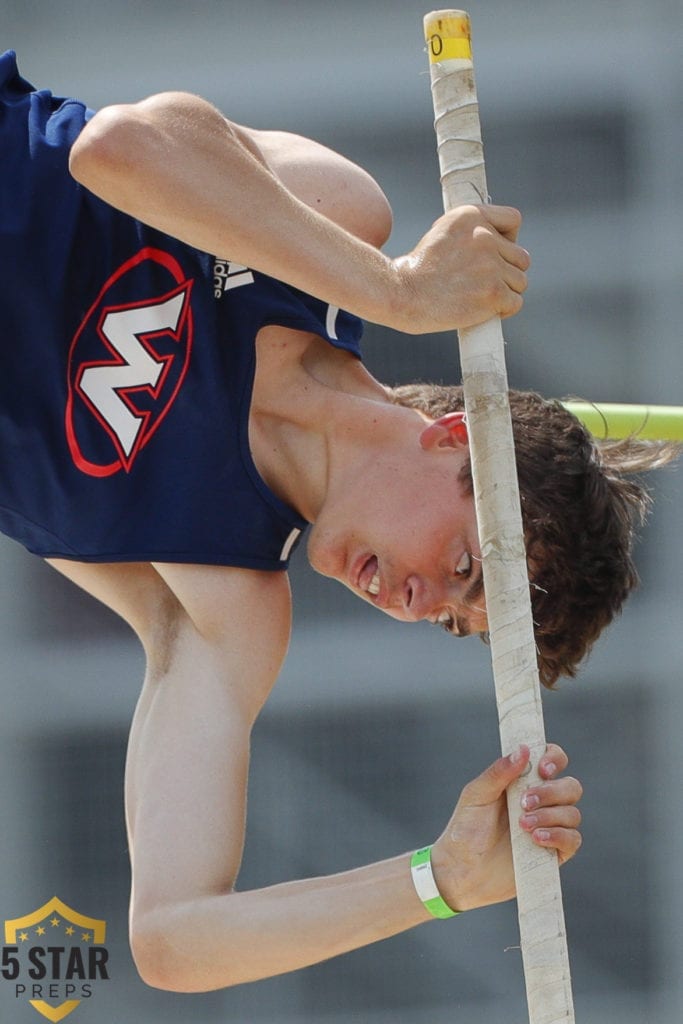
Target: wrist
x=382 y=292
x=426 y=887
x=402 y=298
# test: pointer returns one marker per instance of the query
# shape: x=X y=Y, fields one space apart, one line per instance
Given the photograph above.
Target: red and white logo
x=127 y=362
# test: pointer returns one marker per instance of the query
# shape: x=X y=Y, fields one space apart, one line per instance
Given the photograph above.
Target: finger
x=505 y=219
x=564 y=791
x=492 y=783
x=566 y=841
x=551 y=817
x=553 y=761
x=515 y=279
x=506 y=296
x=513 y=254
x=510 y=305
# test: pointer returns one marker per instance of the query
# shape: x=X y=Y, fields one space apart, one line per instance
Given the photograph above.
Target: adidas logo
x=227 y=275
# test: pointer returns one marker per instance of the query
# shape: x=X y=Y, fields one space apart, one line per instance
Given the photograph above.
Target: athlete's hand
x=472 y=860
x=467 y=269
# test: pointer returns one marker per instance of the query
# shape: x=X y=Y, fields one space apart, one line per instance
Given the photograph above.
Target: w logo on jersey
x=127 y=362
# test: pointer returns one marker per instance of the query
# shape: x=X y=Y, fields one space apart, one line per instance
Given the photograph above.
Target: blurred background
x=373 y=727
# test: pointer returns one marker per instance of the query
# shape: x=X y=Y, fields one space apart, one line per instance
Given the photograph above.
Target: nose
x=422 y=598
x=409 y=602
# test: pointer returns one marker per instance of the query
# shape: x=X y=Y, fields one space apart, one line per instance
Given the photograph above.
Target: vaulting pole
x=463 y=179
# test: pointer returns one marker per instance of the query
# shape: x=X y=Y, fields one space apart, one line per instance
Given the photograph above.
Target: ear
x=449 y=431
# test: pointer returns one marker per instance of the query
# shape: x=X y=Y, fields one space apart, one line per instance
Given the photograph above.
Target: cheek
x=422 y=537
x=441 y=513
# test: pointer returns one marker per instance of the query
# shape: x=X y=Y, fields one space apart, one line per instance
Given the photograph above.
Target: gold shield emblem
x=67 y=942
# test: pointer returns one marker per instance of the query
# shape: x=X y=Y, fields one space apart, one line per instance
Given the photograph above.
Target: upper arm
x=242 y=615
x=188 y=753
x=215 y=639
x=326 y=181
x=123 y=149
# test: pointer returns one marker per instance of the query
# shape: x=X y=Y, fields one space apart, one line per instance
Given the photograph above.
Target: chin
x=321 y=558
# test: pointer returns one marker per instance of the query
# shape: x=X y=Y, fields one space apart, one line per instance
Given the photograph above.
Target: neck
x=311 y=406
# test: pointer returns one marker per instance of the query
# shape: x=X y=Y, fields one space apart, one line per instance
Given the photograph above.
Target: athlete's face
x=403 y=536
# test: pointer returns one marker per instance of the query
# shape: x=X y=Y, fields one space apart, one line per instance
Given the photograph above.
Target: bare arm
x=186 y=802
x=186 y=783
x=294 y=210
x=186 y=798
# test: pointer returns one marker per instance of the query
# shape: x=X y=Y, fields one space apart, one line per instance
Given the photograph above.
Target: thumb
x=492 y=783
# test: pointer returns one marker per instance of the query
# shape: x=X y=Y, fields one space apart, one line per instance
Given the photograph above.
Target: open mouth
x=368 y=577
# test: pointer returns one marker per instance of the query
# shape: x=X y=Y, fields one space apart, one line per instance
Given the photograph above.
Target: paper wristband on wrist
x=425 y=886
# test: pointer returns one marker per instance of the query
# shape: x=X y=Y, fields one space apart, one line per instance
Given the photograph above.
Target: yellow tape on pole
x=448 y=36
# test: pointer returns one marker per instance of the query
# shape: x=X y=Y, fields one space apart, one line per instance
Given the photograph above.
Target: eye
x=464 y=566
x=446 y=621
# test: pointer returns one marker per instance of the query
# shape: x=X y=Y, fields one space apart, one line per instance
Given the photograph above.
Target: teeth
x=373 y=585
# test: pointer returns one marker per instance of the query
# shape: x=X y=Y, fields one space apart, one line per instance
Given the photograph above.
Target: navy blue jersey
x=126 y=368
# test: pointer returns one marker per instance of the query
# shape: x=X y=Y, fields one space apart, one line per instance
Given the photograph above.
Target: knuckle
x=522 y=282
x=511 y=214
x=573 y=817
x=464 y=216
x=512 y=305
x=485 y=246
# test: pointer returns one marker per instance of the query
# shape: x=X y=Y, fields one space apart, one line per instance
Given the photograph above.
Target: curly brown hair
x=580 y=513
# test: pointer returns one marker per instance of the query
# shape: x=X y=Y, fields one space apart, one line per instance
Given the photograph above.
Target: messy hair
x=580 y=510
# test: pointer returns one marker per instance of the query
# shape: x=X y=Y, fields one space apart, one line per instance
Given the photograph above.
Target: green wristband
x=425 y=886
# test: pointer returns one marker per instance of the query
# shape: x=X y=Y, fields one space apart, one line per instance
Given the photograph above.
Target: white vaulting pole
x=463 y=178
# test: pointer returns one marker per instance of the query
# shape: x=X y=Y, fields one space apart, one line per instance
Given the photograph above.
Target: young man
x=173 y=420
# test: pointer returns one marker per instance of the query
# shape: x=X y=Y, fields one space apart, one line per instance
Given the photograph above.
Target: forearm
x=175 y=163
x=218 y=941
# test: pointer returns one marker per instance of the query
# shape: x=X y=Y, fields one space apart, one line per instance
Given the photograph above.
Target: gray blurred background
x=374 y=727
